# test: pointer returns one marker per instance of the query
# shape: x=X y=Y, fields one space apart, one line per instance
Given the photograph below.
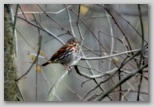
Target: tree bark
x=9 y=57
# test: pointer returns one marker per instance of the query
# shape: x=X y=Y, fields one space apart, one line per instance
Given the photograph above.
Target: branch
x=99 y=75
x=108 y=56
x=141 y=57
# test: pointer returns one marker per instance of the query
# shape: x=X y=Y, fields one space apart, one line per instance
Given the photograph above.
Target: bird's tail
x=48 y=62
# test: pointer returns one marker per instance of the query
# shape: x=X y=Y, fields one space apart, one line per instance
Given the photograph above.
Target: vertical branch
x=36 y=64
x=39 y=36
x=141 y=57
x=78 y=17
x=79 y=29
x=39 y=48
x=112 y=38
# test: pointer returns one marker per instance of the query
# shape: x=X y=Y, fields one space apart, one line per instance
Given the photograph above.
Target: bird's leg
x=68 y=68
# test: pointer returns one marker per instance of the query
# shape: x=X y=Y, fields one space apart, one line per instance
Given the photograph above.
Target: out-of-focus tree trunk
x=9 y=57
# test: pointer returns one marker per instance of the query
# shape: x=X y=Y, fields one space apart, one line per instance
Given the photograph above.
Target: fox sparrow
x=66 y=54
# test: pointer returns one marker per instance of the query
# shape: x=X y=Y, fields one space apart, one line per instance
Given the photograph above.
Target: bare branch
x=108 y=56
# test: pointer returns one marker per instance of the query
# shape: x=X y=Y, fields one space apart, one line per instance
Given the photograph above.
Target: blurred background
x=106 y=29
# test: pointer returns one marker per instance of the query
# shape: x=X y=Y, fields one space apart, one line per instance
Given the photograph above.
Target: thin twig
x=78 y=14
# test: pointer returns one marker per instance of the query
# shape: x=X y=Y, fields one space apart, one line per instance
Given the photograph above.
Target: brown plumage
x=66 y=54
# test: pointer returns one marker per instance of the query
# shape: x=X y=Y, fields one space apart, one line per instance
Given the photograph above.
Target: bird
x=66 y=54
